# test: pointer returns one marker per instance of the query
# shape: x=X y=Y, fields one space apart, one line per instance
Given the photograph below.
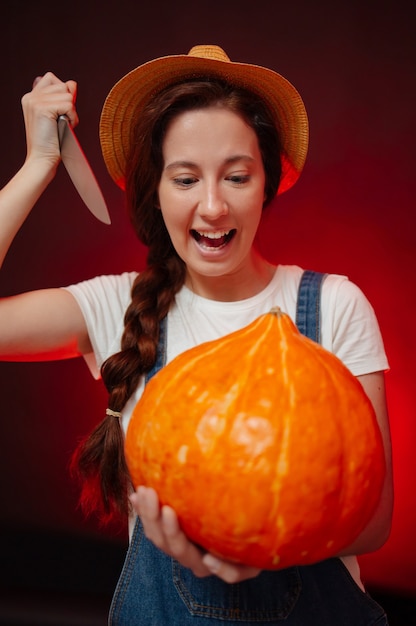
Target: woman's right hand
x=49 y=98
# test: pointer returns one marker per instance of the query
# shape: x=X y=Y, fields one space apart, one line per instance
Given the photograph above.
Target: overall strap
x=161 y=350
x=308 y=311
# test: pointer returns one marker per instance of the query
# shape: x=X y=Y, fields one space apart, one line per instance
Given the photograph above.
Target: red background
x=352 y=212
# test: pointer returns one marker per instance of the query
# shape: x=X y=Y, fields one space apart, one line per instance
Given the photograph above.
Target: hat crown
x=131 y=93
x=209 y=52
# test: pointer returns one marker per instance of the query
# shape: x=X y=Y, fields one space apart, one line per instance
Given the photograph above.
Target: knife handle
x=63 y=122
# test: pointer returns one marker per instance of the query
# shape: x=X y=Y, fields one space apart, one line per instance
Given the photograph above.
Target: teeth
x=213 y=235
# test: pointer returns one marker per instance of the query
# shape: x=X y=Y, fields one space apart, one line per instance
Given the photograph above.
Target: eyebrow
x=229 y=161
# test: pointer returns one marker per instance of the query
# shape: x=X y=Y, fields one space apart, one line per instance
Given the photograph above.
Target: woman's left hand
x=161 y=527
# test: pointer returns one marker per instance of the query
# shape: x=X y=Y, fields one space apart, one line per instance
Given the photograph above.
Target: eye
x=238 y=179
x=185 y=181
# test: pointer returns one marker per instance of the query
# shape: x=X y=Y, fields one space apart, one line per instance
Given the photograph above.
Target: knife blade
x=80 y=171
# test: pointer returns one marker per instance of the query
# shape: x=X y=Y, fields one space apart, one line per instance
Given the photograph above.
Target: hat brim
x=132 y=92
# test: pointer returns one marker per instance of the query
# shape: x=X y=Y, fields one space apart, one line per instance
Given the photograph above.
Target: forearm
x=19 y=196
x=377 y=530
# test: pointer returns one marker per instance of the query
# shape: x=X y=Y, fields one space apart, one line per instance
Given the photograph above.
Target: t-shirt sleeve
x=350 y=328
x=103 y=301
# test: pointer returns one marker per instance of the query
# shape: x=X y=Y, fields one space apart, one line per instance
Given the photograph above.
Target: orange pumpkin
x=264 y=444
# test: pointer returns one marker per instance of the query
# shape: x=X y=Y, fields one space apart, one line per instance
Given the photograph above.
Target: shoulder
x=113 y=290
x=344 y=302
x=349 y=326
x=115 y=282
x=338 y=294
x=103 y=301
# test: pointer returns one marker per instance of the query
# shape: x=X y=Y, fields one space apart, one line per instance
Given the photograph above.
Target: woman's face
x=211 y=195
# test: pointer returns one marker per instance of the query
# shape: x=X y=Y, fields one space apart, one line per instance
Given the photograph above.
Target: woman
x=201 y=145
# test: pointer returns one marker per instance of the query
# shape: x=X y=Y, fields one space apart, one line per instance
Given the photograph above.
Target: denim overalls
x=155 y=590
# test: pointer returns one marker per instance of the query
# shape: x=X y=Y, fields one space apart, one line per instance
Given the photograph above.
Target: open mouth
x=213 y=239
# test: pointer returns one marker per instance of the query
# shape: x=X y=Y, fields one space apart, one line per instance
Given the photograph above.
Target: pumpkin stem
x=276 y=310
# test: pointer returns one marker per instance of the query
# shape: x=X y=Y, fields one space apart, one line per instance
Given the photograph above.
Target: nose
x=212 y=204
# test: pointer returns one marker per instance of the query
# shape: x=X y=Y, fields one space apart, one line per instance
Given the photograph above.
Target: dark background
x=352 y=212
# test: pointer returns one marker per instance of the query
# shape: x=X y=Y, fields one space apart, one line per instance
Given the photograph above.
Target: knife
x=80 y=171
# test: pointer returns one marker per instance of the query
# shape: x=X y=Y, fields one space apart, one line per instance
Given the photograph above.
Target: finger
x=161 y=526
x=229 y=572
x=46 y=79
x=60 y=95
x=72 y=87
x=179 y=546
x=146 y=503
x=170 y=521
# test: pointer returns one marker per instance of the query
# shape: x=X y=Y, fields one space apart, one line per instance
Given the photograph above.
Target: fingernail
x=136 y=494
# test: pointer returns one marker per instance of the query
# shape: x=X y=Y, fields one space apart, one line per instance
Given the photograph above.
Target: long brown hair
x=99 y=460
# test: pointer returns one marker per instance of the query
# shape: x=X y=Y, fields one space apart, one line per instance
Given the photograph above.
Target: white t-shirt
x=349 y=327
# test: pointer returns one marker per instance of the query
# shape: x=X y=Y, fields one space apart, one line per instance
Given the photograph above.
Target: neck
x=235 y=286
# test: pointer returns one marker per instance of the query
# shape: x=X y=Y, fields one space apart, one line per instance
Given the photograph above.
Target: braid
x=99 y=460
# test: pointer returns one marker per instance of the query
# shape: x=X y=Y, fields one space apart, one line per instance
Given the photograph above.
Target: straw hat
x=132 y=92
